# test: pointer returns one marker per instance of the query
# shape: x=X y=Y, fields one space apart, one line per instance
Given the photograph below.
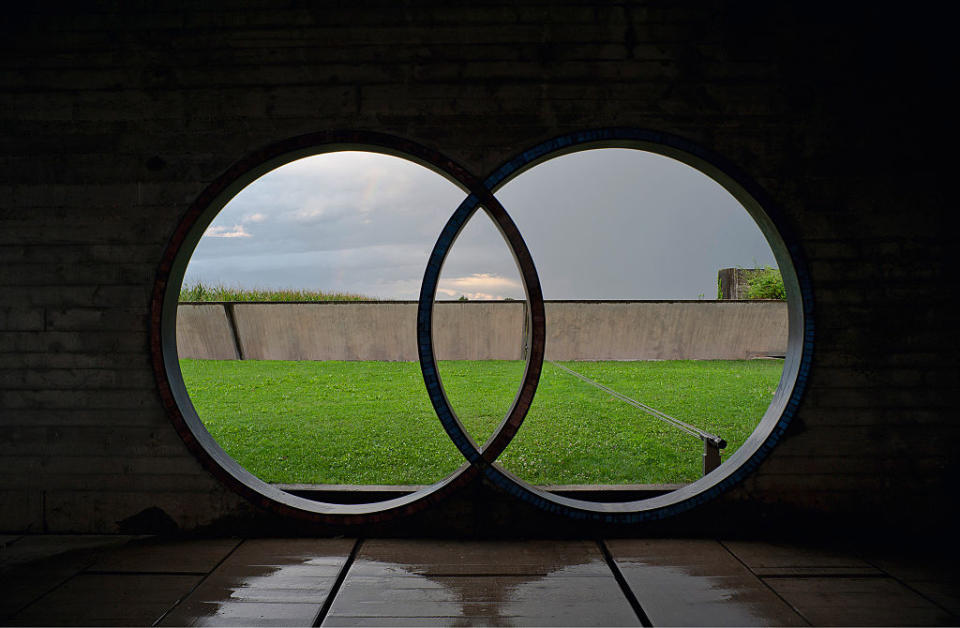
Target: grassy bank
x=372 y=423
x=200 y=291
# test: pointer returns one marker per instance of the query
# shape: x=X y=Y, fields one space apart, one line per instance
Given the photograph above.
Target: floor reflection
x=262 y=582
x=480 y=583
x=266 y=582
x=697 y=582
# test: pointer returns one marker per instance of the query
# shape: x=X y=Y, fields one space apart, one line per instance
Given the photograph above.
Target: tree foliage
x=767 y=284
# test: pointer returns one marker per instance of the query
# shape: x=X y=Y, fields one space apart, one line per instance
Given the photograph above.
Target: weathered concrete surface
x=321 y=331
x=203 y=332
x=677 y=330
x=594 y=330
x=734 y=283
x=375 y=331
x=479 y=331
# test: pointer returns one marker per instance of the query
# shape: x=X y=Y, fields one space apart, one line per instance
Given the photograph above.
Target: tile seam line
x=87 y=562
x=807 y=576
x=764 y=582
x=337 y=584
x=624 y=585
x=39 y=597
x=953 y=616
x=121 y=572
x=203 y=579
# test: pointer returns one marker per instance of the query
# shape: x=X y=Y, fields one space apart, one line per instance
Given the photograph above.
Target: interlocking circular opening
x=481 y=196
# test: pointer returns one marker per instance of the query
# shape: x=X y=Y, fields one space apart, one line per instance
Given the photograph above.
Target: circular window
x=519 y=368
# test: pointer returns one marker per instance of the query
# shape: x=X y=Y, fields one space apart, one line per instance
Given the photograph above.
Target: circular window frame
x=779 y=413
x=744 y=461
x=163 y=314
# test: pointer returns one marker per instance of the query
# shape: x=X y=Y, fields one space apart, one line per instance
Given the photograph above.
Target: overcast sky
x=601 y=224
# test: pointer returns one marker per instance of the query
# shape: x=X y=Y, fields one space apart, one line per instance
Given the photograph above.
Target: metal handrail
x=712 y=444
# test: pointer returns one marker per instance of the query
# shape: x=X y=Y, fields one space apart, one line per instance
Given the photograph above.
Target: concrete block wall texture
x=694 y=330
x=115 y=116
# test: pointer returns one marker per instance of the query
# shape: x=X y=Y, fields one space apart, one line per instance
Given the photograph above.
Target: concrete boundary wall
x=204 y=331
x=576 y=330
x=665 y=330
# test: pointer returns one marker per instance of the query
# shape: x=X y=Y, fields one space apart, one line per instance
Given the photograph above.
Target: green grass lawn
x=372 y=422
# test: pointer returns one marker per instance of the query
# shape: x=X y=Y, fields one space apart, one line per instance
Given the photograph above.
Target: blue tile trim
x=615 y=135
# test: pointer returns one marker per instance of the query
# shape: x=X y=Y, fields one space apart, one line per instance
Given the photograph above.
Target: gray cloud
x=627 y=224
x=609 y=223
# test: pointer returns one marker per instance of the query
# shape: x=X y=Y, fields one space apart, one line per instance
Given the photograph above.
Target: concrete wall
x=205 y=332
x=478 y=331
x=115 y=116
x=671 y=330
x=374 y=331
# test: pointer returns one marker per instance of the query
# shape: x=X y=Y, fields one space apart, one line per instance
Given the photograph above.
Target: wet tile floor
x=142 y=581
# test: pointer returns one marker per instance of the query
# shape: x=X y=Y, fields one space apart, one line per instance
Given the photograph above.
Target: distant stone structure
x=735 y=282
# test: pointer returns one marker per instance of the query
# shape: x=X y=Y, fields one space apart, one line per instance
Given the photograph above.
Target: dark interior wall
x=115 y=117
